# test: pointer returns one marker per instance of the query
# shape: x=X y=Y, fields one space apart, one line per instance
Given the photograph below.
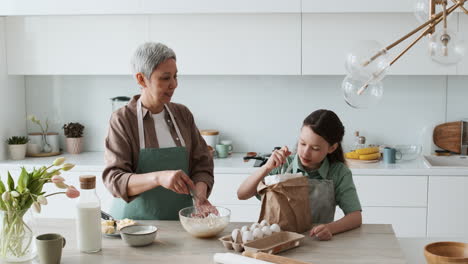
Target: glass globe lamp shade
x=360 y=66
x=445 y=47
x=358 y=97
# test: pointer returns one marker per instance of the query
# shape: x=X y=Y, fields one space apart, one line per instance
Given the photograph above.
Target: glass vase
x=45 y=145
x=16 y=236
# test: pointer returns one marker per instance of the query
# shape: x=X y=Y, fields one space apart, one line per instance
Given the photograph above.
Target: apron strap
x=141 y=130
x=182 y=141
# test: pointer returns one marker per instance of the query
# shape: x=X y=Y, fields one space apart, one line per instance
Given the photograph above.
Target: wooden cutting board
x=448 y=136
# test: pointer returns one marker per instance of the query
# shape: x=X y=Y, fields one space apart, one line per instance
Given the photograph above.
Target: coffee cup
x=49 y=248
x=222 y=150
x=228 y=143
x=390 y=155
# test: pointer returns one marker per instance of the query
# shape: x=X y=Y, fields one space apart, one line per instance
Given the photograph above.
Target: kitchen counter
x=94 y=161
x=368 y=244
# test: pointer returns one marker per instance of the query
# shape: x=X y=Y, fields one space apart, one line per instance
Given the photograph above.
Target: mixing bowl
x=204 y=226
x=409 y=152
x=446 y=252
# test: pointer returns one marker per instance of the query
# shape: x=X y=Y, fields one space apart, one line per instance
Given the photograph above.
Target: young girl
x=320 y=158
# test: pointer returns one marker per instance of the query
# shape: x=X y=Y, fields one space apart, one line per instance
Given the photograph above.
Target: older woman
x=155 y=155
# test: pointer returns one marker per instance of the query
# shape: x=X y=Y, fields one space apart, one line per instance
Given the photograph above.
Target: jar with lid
x=210 y=136
x=88 y=222
x=359 y=141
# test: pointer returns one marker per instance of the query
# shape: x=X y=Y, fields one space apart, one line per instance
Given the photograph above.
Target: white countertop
x=94 y=161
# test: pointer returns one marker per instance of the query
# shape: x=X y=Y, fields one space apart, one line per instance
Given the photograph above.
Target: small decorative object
x=16 y=234
x=17 y=146
x=74 y=134
x=45 y=145
x=368 y=63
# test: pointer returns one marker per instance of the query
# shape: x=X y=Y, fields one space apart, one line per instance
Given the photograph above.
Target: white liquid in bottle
x=88 y=222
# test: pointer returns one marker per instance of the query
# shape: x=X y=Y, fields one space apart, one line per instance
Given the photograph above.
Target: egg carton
x=273 y=244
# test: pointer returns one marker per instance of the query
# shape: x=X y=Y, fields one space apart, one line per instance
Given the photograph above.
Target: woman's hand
x=175 y=180
x=277 y=158
x=322 y=232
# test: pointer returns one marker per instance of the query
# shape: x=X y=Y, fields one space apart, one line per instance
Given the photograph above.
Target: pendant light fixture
x=368 y=62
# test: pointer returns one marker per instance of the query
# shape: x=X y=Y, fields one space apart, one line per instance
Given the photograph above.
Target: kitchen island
x=367 y=244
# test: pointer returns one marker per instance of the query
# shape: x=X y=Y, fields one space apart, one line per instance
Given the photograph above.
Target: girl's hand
x=322 y=232
x=277 y=158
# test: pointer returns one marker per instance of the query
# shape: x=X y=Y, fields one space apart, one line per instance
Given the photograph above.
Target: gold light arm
x=462 y=7
x=430 y=21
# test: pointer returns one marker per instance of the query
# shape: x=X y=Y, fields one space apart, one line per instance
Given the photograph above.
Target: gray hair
x=148 y=56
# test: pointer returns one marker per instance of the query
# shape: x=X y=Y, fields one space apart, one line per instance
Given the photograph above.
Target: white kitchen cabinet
x=463 y=32
x=56 y=45
x=327 y=38
x=406 y=221
x=232 y=44
x=447 y=206
x=346 y=6
x=407 y=191
x=109 y=7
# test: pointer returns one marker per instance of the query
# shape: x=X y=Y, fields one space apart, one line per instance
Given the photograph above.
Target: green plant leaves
x=23 y=180
x=11 y=183
x=2 y=187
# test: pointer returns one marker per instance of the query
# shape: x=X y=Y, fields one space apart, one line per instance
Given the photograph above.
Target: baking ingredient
x=244 y=228
x=124 y=222
x=204 y=227
x=275 y=228
x=247 y=236
x=266 y=231
x=107 y=226
x=253 y=226
x=264 y=223
x=89 y=236
x=257 y=233
x=236 y=235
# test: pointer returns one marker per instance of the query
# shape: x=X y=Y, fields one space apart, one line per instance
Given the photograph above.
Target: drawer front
x=409 y=191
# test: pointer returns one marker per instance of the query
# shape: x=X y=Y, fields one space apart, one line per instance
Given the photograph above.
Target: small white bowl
x=138 y=235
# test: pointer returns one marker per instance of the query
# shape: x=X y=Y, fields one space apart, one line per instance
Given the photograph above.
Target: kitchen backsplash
x=259 y=112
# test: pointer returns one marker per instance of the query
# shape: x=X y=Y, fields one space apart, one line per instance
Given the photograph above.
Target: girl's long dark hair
x=327 y=124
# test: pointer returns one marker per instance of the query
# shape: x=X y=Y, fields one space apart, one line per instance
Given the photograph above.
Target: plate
x=362 y=161
x=44 y=154
x=115 y=234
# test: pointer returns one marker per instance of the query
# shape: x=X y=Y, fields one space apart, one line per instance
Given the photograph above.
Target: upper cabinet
x=59 y=45
x=347 y=6
x=463 y=31
x=244 y=44
x=327 y=38
x=109 y=7
x=261 y=44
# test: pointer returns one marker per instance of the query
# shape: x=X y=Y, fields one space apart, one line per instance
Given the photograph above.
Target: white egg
x=264 y=223
x=266 y=231
x=257 y=233
x=247 y=236
x=244 y=228
x=236 y=235
x=253 y=226
x=275 y=228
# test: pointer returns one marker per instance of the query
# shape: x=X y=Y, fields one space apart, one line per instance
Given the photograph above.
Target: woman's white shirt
x=163 y=133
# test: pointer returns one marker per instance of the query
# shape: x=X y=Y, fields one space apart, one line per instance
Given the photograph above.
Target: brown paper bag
x=287 y=204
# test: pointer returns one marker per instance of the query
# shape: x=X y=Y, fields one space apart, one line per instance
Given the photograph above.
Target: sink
x=446 y=161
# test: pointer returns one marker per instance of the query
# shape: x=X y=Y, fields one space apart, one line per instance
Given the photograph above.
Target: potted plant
x=74 y=137
x=47 y=141
x=17 y=146
x=16 y=228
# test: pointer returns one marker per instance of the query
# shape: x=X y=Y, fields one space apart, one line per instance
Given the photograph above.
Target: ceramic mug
x=390 y=155
x=49 y=248
x=222 y=150
x=228 y=143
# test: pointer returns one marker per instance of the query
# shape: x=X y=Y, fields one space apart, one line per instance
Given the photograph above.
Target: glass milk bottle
x=88 y=222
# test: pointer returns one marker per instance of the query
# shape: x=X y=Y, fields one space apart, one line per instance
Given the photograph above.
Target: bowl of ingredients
x=111 y=227
x=138 y=235
x=205 y=221
x=446 y=252
x=409 y=152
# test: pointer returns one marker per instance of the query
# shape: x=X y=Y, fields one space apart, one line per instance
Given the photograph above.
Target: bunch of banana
x=371 y=153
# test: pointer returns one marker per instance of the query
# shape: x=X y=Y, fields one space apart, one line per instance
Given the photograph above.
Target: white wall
x=12 y=101
x=259 y=112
